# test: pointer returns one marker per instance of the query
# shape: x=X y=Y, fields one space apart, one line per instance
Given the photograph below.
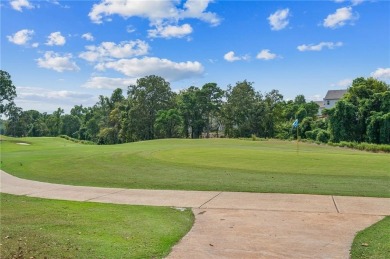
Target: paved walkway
x=239 y=225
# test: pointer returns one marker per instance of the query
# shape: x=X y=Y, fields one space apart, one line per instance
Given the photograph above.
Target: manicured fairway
x=41 y=228
x=207 y=164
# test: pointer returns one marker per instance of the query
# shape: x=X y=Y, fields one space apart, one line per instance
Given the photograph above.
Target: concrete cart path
x=239 y=225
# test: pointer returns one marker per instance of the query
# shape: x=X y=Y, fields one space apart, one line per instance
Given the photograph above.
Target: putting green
x=276 y=157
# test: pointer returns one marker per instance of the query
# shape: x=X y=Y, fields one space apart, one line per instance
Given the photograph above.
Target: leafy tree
x=168 y=124
x=273 y=113
x=14 y=126
x=360 y=114
x=70 y=125
x=54 y=122
x=150 y=95
x=343 y=122
x=239 y=110
x=7 y=92
x=192 y=110
x=300 y=100
x=210 y=97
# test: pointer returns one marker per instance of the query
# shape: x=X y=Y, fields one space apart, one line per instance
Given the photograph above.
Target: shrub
x=309 y=135
x=323 y=136
x=363 y=146
x=86 y=142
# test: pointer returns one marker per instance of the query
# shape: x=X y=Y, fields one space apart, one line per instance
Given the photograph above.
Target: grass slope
x=373 y=242
x=41 y=228
x=211 y=164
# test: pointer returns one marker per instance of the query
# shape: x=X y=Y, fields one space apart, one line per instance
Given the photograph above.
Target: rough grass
x=209 y=164
x=41 y=228
x=373 y=242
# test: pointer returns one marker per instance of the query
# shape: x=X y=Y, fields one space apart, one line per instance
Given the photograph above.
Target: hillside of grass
x=205 y=164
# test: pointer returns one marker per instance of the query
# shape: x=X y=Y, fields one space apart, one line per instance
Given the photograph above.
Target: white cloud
x=339 y=18
x=265 y=54
x=18 y=5
x=108 y=50
x=196 y=9
x=55 y=61
x=320 y=46
x=21 y=37
x=279 y=19
x=42 y=93
x=88 y=36
x=47 y=100
x=381 y=73
x=344 y=83
x=231 y=57
x=171 y=71
x=316 y=97
x=154 y=10
x=55 y=38
x=170 y=31
x=109 y=83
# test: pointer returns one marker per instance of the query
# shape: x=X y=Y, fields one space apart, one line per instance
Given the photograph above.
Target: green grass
x=209 y=164
x=41 y=228
x=373 y=242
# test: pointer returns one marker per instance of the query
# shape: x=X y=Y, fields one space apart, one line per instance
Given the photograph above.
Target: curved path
x=239 y=225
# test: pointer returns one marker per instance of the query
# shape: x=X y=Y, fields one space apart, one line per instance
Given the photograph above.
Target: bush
x=309 y=135
x=86 y=142
x=323 y=136
x=363 y=146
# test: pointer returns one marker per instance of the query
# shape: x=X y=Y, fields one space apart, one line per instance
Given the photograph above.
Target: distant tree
x=361 y=115
x=192 y=108
x=343 y=122
x=239 y=110
x=70 y=125
x=7 y=92
x=300 y=99
x=273 y=113
x=210 y=97
x=13 y=125
x=54 y=122
x=150 y=95
x=168 y=124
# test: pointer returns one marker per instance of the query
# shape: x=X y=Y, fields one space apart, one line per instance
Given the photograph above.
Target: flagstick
x=297 y=142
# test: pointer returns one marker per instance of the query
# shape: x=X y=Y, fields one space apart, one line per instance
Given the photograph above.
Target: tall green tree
x=210 y=97
x=7 y=92
x=239 y=110
x=273 y=113
x=150 y=95
x=359 y=116
x=191 y=103
x=168 y=124
x=70 y=125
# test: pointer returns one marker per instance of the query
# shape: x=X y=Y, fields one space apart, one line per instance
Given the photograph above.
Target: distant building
x=322 y=107
x=332 y=97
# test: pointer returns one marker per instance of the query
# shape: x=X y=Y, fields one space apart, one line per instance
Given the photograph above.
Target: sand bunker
x=25 y=144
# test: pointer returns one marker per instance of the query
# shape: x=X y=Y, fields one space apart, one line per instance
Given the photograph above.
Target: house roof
x=335 y=94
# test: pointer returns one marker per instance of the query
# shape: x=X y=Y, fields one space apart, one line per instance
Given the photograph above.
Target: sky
x=67 y=53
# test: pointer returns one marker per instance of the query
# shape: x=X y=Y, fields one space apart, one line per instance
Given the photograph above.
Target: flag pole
x=297 y=142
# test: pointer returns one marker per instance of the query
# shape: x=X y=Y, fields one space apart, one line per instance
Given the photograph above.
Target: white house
x=332 y=97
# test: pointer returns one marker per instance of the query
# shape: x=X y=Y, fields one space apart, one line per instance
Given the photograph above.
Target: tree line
x=151 y=110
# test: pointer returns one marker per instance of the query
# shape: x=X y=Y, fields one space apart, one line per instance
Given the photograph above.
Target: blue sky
x=66 y=53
